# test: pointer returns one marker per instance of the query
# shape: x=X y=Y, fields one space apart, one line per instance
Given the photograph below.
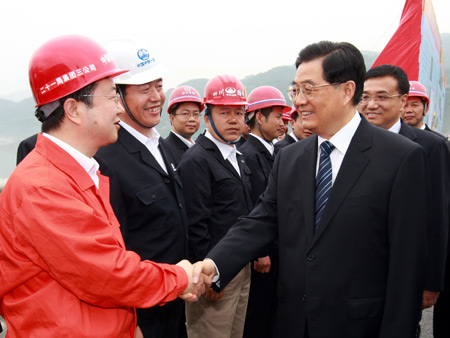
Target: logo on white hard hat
x=143 y=54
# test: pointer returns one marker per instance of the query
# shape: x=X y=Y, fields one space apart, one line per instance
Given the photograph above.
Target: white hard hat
x=134 y=54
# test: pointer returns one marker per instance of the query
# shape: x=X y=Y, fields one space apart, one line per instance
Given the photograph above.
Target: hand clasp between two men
x=200 y=276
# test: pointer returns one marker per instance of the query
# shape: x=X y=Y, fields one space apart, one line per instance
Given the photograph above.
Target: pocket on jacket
x=152 y=194
x=365 y=308
x=222 y=174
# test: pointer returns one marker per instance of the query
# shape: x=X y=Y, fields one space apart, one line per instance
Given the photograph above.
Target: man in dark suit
x=146 y=192
x=353 y=268
x=298 y=131
x=385 y=94
x=185 y=107
x=25 y=146
x=217 y=191
x=413 y=114
x=266 y=105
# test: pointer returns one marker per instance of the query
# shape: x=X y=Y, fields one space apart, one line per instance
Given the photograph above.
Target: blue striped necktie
x=323 y=180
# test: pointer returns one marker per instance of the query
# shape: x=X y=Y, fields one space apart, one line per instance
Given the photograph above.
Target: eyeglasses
x=306 y=89
x=188 y=115
x=115 y=97
x=379 y=98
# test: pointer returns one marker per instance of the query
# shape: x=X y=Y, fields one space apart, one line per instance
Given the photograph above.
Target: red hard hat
x=225 y=90
x=185 y=94
x=66 y=64
x=267 y=96
x=417 y=89
x=293 y=111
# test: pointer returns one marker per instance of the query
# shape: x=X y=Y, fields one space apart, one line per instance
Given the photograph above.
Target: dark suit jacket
x=361 y=274
x=25 y=147
x=283 y=143
x=150 y=205
x=215 y=195
x=176 y=147
x=260 y=162
x=437 y=231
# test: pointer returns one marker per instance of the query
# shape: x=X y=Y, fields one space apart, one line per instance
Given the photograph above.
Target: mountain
x=19 y=121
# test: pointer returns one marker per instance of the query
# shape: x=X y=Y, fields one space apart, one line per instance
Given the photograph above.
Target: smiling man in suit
x=146 y=192
x=350 y=264
x=384 y=98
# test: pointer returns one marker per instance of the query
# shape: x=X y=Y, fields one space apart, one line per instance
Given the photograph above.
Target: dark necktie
x=323 y=180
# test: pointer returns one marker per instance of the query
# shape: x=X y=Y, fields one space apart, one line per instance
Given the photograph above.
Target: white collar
x=153 y=138
x=341 y=140
x=269 y=146
x=225 y=149
x=184 y=139
x=396 y=127
x=89 y=164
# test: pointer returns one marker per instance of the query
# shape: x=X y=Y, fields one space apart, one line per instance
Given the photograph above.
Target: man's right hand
x=196 y=284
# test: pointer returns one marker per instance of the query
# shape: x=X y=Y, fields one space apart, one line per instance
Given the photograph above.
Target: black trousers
x=162 y=321
x=262 y=303
x=441 y=316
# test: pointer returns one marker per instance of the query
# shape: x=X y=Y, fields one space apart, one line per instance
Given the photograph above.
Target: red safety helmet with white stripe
x=266 y=96
x=184 y=94
x=417 y=89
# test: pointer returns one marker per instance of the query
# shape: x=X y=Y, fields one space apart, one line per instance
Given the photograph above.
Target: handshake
x=200 y=276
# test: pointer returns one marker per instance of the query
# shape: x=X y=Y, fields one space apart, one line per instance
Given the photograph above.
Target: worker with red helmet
x=64 y=268
x=417 y=106
x=298 y=131
x=217 y=192
x=185 y=108
x=265 y=111
x=283 y=130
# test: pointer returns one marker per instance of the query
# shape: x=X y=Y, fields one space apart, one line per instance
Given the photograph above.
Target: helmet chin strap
x=119 y=90
x=208 y=113
x=260 y=131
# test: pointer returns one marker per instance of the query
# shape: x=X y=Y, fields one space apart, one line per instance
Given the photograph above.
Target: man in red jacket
x=64 y=269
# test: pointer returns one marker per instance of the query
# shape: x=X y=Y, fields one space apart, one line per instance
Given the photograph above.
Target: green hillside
x=19 y=121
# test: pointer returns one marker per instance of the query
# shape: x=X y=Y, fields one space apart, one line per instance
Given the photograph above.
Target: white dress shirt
x=228 y=151
x=151 y=142
x=341 y=140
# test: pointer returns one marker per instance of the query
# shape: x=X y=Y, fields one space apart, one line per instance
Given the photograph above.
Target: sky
x=204 y=38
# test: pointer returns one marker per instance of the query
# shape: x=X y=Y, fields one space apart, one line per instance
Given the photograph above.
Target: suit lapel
x=407 y=131
x=168 y=161
x=208 y=144
x=264 y=152
x=353 y=165
x=303 y=176
x=134 y=146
